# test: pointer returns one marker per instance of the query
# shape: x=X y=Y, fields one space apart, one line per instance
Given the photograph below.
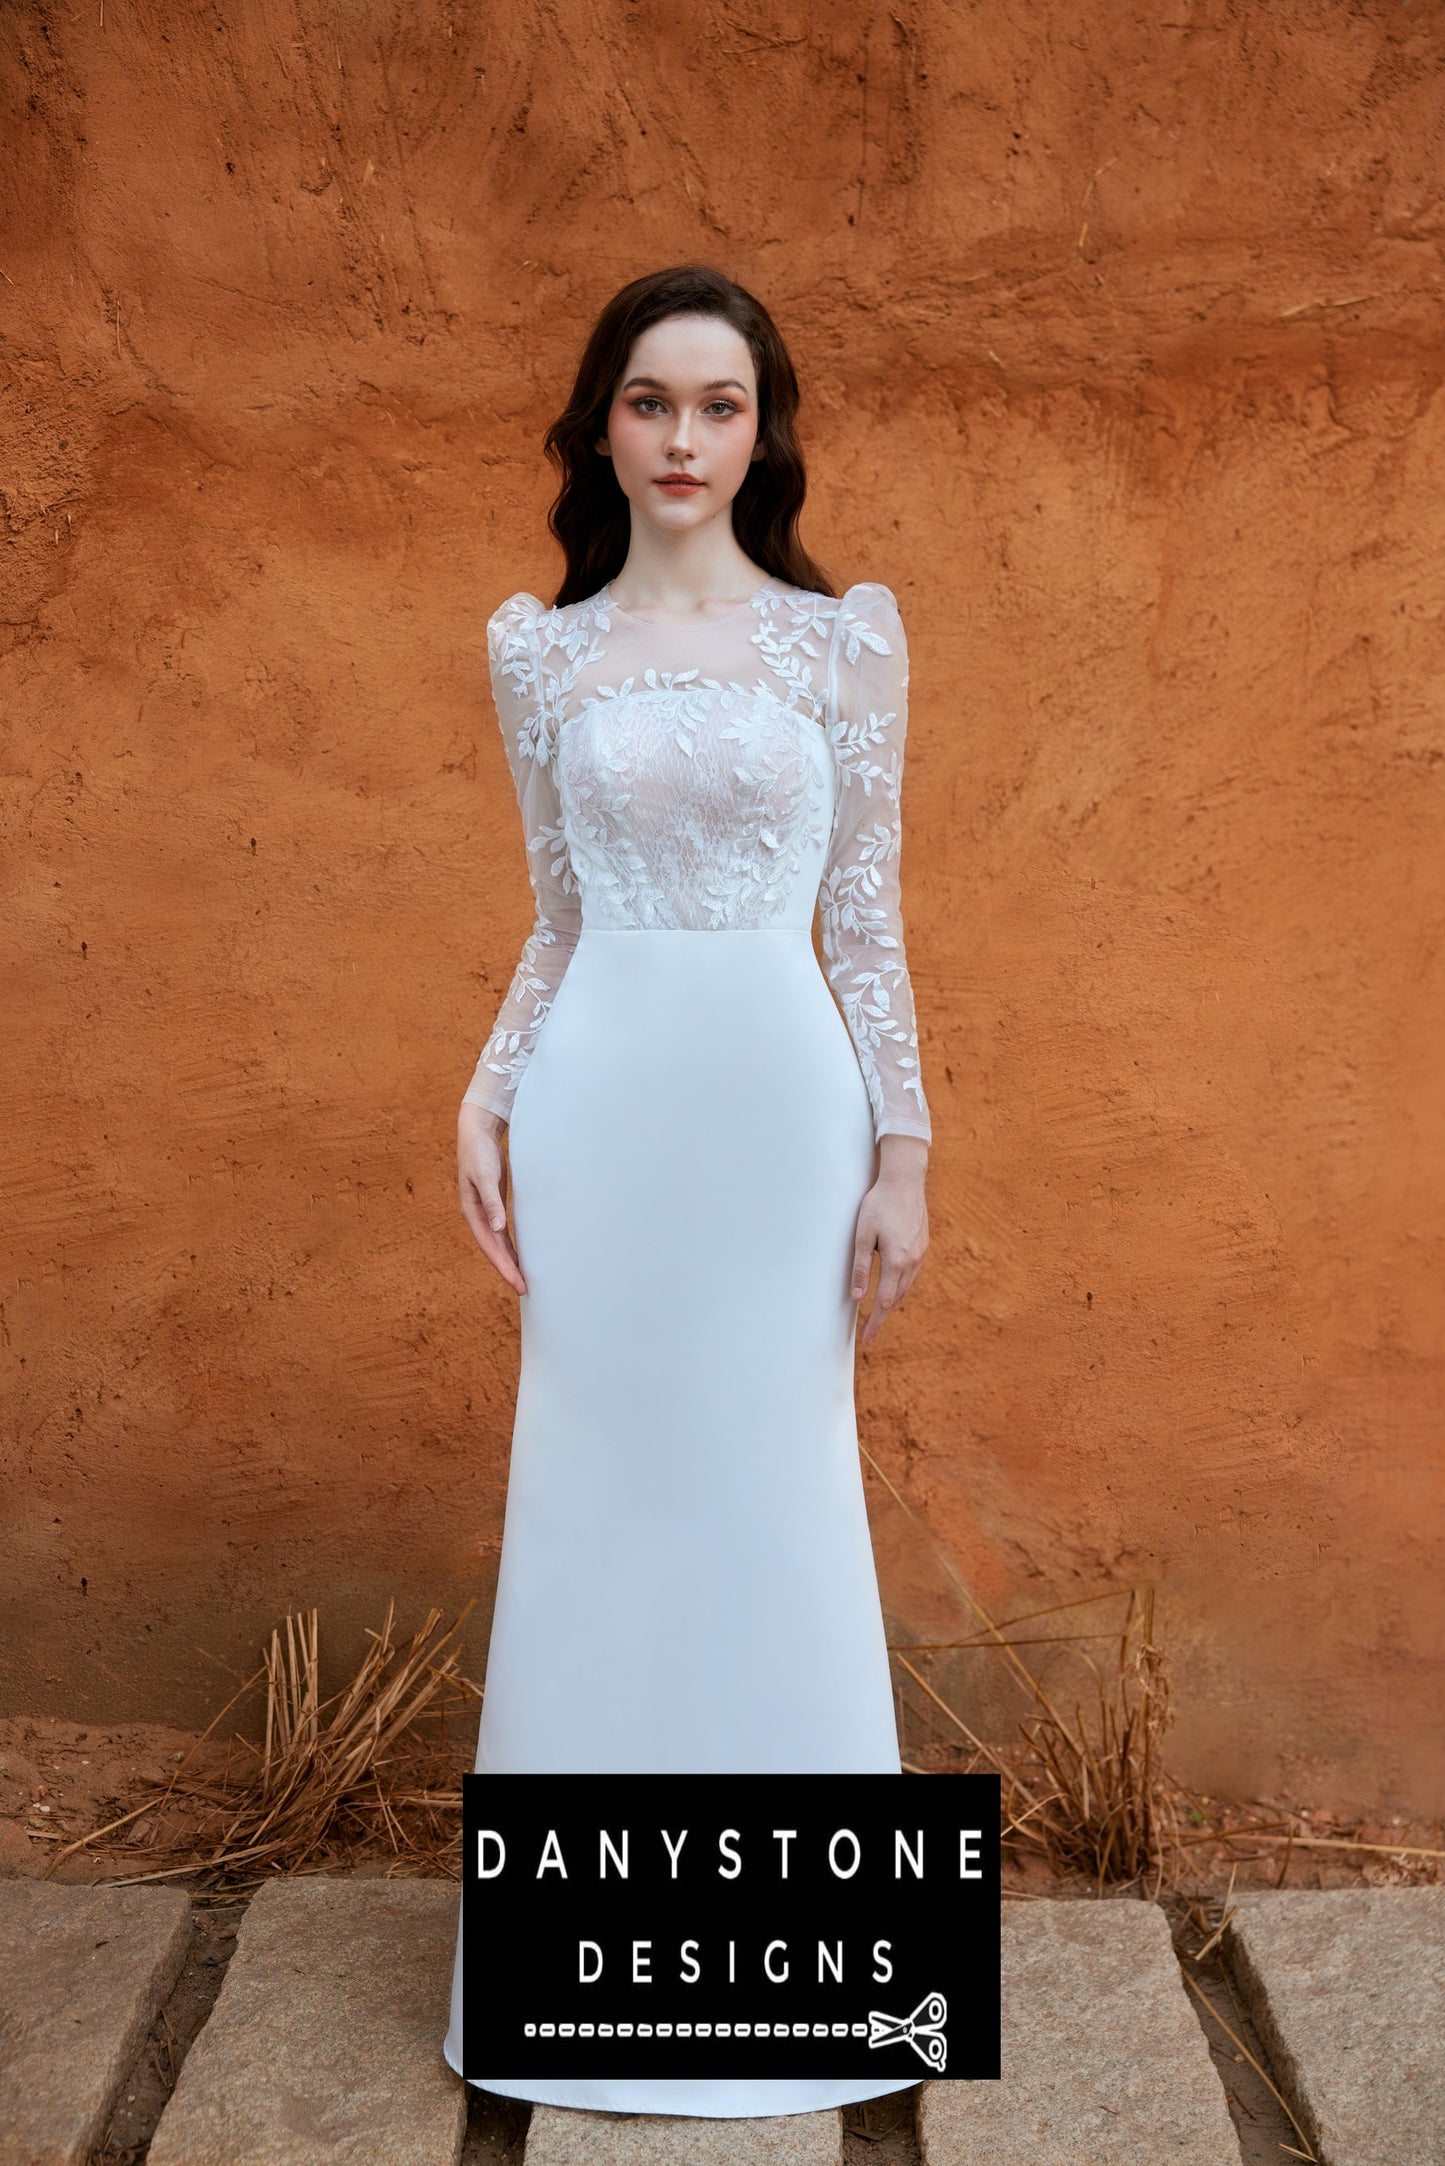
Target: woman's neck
x=684 y=576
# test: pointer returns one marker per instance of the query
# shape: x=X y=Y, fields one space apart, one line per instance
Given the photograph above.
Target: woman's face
x=682 y=428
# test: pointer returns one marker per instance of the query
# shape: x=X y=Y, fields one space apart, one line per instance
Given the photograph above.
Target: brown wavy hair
x=592 y=519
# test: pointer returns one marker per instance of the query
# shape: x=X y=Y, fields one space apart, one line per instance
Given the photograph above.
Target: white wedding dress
x=686 y=1582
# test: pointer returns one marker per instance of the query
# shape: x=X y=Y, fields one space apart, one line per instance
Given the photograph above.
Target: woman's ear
x=603 y=447
x=756 y=453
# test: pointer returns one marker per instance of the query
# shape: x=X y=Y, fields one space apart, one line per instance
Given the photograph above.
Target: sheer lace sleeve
x=859 y=902
x=515 y=662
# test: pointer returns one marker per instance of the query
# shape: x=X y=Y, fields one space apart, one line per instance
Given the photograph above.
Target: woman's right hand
x=482 y=1185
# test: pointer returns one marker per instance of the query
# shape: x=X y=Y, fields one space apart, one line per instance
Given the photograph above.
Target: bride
x=710 y=1137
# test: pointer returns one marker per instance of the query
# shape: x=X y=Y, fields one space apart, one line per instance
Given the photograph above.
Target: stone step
x=83 y=1971
x=324 y=2046
x=1104 y=2062
x=1346 y=1987
x=568 y=2136
x=324 y=2043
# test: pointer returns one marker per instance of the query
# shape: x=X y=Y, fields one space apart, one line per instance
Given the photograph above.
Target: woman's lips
x=679 y=484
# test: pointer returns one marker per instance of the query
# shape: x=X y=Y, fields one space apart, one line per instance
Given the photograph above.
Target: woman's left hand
x=893 y=1219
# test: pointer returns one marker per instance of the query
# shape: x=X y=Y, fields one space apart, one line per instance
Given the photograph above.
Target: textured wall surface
x=1121 y=342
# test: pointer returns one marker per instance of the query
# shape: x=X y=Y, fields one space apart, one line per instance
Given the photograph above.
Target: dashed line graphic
x=923 y=2030
x=800 y=2029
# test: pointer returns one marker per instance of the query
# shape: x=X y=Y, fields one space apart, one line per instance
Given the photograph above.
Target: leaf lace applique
x=661 y=792
x=689 y=805
x=860 y=905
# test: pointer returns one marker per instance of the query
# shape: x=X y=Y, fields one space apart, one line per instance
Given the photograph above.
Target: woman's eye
x=646 y=400
x=726 y=406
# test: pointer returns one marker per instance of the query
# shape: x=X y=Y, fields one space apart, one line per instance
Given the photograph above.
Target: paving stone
x=1104 y=2062
x=325 y=2040
x=569 y=2136
x=83 y=1971
x=1346 y=1987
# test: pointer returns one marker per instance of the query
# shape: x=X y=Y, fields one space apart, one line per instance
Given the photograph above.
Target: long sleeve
x=515 y=664
x=860 y=905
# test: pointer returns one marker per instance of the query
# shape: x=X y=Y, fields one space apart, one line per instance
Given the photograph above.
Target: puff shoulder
x=516 y=616
x=870 y=605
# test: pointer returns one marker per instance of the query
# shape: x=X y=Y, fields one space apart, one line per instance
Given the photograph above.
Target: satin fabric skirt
x=686 y=1582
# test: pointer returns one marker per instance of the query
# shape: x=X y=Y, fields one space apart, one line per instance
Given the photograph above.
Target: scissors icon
x=923 y=2030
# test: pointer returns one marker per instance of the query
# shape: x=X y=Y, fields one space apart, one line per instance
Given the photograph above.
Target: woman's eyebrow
x=655 y=383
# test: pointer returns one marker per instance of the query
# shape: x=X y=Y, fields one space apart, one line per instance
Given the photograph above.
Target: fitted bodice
x=734 y=773
x=695 y=806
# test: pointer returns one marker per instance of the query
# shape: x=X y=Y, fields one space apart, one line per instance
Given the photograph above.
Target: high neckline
x=680 y=624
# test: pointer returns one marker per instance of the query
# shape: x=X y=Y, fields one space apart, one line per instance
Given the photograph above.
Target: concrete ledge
x=83 y=1971
x=567 y=2136
x=1104 y=2062
x=324 y=2046
x=1346 y=1987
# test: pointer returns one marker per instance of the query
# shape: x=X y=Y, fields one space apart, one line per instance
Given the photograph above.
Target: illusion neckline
x=681 y=624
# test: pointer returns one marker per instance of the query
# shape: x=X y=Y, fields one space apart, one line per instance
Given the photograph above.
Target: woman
x=706 y=1145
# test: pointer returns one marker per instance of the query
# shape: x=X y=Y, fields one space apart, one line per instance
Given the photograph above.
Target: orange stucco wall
x=1122 y=353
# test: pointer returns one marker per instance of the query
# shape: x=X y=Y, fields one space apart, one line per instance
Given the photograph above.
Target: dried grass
x=370 y=1776
x=333 y=1781
x=1088 y=1791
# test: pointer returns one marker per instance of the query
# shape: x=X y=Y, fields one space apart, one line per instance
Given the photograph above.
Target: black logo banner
x=701 y=1926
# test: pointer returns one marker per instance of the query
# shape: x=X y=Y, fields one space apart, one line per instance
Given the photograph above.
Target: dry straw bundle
x=333 y=1779
x=1088 y=1792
